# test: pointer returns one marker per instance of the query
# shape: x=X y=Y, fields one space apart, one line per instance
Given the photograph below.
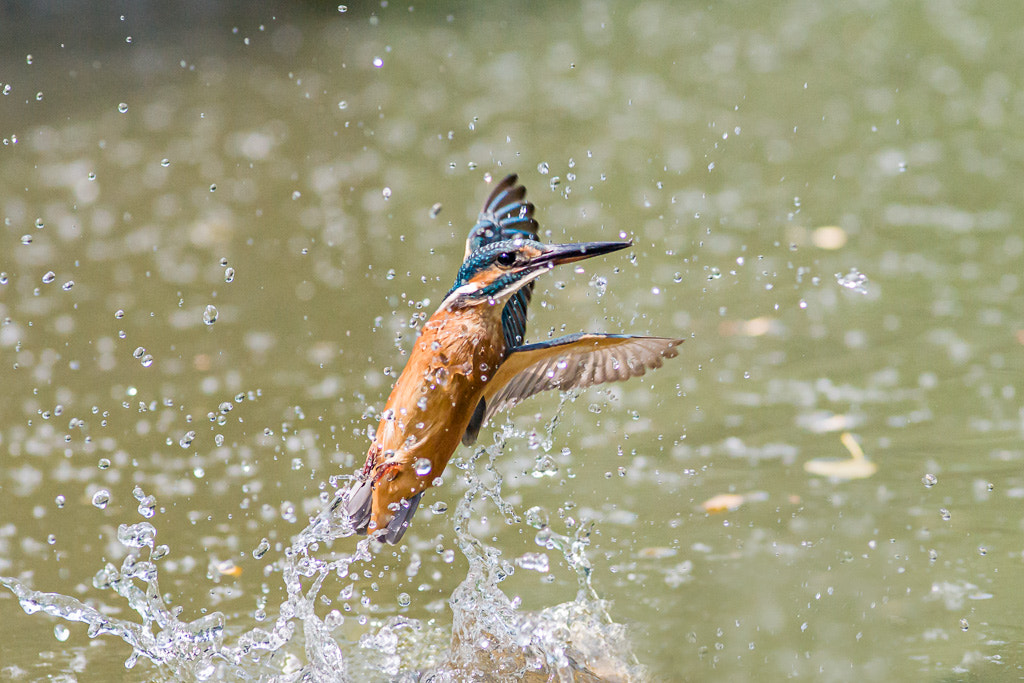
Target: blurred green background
x=280 y=162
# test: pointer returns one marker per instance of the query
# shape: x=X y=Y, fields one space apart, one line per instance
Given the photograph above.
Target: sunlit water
x=223 y=227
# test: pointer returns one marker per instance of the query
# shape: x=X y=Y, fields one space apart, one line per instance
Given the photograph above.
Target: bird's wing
x=475 y=423
x=506 y=215
x=575 y=361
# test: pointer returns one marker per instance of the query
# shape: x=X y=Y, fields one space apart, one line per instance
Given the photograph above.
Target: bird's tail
x=400 y=522
x=358 y=505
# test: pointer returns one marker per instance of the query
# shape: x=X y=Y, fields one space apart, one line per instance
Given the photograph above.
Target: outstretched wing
x=575 y=361
x=505 y=216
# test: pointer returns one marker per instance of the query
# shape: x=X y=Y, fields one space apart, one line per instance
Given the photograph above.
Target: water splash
x=490 y=638
x=573 y=641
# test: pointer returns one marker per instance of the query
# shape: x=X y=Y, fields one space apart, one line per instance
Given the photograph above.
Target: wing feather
x=573 y=362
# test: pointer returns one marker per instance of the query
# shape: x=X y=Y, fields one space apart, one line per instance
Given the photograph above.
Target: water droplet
x=103 y=464
x=404 y=600
x=929 y=480
x=68 y=285
x=435 y=210
x=59 y=500
x=49 y=277
x=439 y=508
x=210 y=315
x=165 y=162
x=146 y=360
x=714 y=273
x=537 y=562
x=213 y=187
x=26 y=239
x=139 y=535
x=187 y=439
x=386 y=192
x=119 y=314
x=544 y=467
x=342 y=8
x=139 y=352
x=123 y=107
x=537 y=517
x=554 y=182
x=229 y=275
x=945 y=514
x=378 y=62
x=60 y=631
x=262 y=549
x=147 y=506
x=422 y=467
x=964 y=625
x=3 y=279
x=543 y=168
x=101 y=498
x=854 y=280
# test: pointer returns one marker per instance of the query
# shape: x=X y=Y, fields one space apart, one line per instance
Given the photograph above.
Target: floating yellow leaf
x=829 y=237
x=857 y=467
x=229 y=568
x=755 y=327
x=723 y=502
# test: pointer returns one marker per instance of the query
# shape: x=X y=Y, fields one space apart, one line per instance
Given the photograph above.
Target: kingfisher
x=470 y=362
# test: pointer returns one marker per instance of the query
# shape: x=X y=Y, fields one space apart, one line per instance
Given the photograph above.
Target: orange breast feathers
x=432 y=402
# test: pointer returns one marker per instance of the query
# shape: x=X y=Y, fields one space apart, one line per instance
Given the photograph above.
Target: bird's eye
x=506 y=259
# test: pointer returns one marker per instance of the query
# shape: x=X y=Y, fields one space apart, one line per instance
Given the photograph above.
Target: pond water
x=223 y=226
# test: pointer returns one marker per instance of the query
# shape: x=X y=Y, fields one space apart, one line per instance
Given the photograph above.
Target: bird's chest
x=434 y=398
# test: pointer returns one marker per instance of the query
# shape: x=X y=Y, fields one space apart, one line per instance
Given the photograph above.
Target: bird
x=470 y=362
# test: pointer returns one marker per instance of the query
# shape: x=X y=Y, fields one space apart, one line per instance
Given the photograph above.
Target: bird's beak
x=556 y=254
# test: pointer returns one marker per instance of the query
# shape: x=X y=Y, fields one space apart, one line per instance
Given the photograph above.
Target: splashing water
x=490 y=637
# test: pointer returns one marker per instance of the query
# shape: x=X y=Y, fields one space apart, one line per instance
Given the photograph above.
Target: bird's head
x=496 y=271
